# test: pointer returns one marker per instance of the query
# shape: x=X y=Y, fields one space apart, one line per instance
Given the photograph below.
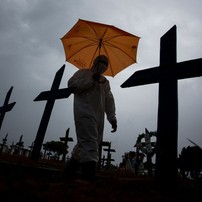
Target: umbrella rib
x=120 y=50
x=107 y=43
x=120 y=35
x=98 y=38
x=93 y=30
x=92 y=44
x=89 y=38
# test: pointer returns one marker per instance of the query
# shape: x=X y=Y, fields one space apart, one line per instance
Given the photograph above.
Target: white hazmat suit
x=92 y=99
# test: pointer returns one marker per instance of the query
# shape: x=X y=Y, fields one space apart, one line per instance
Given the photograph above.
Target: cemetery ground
x=24 y=180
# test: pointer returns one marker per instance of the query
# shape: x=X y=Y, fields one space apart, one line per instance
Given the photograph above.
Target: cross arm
x=110 y=150
x=58 y=94
x=105 y=143
x=182 y=70
x=7 y=107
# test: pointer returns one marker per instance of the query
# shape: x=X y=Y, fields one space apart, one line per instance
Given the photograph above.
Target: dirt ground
x=23 y=180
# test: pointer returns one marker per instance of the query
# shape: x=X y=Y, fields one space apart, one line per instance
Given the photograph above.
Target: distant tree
x=190 y=161
x=57 y=147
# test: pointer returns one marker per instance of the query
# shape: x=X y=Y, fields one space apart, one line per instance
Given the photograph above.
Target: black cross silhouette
x=109 y=159
x=5 y=139
x=167 y=75
x=66 y=139
x=50 y=96
x=102 y=144
x=6 y=107
x=19 y=145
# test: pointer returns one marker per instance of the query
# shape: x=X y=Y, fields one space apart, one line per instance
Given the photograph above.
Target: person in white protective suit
x=92 y=99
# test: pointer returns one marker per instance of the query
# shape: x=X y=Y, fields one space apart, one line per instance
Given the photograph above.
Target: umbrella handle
x=100 y=45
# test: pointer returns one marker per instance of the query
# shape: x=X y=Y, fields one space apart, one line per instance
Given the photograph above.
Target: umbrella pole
x=100 y=45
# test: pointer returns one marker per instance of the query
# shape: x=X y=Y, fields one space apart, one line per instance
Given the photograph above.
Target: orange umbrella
x=86 y=40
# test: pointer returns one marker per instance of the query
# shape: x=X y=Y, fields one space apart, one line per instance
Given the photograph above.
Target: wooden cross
x=50 y=96
x=66 y=139
x=102 y=144
x=4 y=141
x=109 y=159
x=13 y=149
x=19 y=145
x=30 y=149
x=6 y=107
x=167 y=75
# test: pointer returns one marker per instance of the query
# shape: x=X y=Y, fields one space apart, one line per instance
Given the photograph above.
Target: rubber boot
x=88 y=170
x=70 y=169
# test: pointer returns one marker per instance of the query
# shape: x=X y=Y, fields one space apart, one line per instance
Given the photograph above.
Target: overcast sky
x=31 y=53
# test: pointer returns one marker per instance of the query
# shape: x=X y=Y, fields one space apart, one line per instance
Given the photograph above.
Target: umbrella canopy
x=86 y=40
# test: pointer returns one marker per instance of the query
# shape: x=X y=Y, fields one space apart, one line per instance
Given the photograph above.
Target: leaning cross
x=50 y=96
x=167 y=75
x=6 y=107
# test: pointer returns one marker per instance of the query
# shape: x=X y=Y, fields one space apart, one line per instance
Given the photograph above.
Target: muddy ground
x=24 y=180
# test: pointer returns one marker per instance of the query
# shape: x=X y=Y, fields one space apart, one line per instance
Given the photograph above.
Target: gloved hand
x=114 y=126
x=96 y=76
